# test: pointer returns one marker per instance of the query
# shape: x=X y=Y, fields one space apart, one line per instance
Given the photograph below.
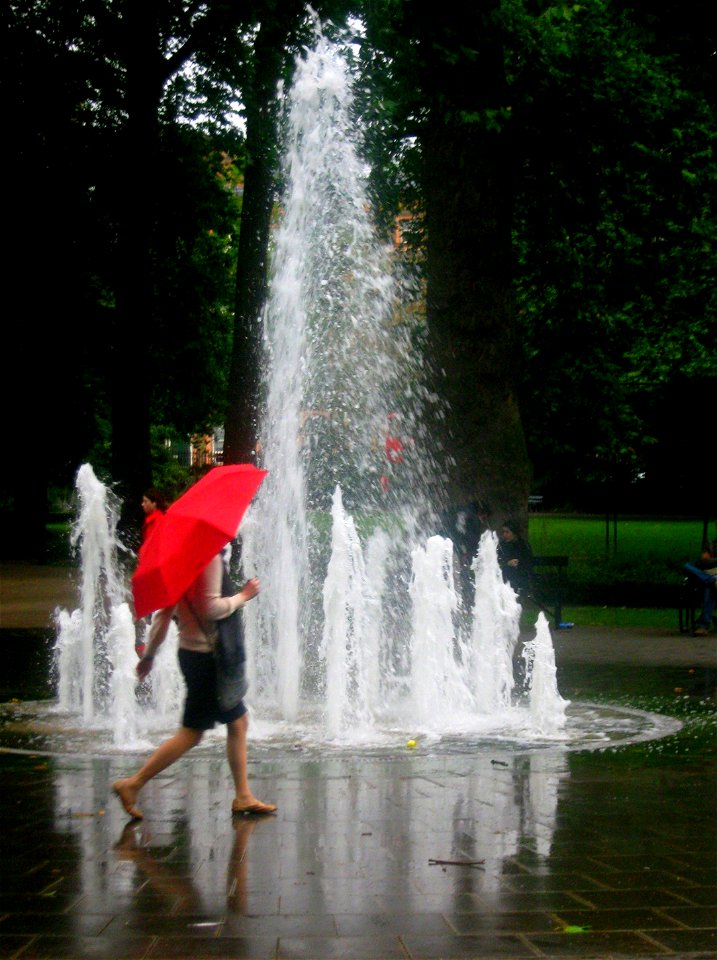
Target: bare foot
x=128 y=797
x=247 y=805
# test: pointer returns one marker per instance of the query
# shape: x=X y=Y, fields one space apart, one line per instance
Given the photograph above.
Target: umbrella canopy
x=192 y=531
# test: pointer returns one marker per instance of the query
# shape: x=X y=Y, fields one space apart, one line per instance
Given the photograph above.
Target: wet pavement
x=542 y=853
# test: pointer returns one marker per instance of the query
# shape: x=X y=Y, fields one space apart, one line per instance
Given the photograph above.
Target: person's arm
x=157 y=635
x=213 y=606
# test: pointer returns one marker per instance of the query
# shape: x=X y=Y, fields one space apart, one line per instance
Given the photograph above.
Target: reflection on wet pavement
x=551 y=853
x=544 y=854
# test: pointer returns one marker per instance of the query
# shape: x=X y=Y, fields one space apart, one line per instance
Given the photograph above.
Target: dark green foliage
x=614 y=237
x=560 y=156
x=607 y=118
x=191 y=341
x=125 y=221
x=441 y=73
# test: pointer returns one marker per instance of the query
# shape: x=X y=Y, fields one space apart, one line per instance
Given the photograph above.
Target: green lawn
x=586 y=616
x=583 y=539
x=640 y=570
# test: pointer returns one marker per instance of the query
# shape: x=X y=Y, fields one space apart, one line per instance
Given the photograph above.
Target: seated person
x=515 y=557
x=705 y=570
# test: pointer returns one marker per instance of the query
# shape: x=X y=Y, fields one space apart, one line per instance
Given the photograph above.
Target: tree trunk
x=468 y=197
x=240 y=432
x=243 y=384
x=136 y=183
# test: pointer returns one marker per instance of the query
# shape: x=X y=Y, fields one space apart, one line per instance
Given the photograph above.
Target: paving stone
x=619 y=861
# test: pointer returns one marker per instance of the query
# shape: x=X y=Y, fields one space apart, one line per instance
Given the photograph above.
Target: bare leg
x=244 y=800
x=165 y=755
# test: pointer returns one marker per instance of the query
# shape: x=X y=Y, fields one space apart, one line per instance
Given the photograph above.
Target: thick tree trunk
x=243 y=384
x=467 y=190
x=136 y=185
x=252 y=262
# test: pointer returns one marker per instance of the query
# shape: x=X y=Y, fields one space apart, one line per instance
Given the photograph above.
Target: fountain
x=359 y=639
x=389 y=647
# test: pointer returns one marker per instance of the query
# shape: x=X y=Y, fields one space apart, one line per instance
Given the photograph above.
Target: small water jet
x=94 y=655
x=376 y=694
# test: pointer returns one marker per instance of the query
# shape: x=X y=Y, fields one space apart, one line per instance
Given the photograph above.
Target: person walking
x=197 y=611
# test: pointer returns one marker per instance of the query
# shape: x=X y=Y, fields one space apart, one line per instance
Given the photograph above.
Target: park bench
x=689 y=603
x=548 y=587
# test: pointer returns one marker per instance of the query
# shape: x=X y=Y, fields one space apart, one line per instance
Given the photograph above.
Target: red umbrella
x=192 y=531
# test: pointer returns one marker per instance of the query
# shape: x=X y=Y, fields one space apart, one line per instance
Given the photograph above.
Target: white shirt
x=196 y=612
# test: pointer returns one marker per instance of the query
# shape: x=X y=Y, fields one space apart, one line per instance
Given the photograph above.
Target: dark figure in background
x=515 y=557
x=471 y=522
x=705 y=569
x=465 y=525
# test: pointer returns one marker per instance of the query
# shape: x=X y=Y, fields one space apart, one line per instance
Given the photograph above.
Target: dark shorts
x=201 y=708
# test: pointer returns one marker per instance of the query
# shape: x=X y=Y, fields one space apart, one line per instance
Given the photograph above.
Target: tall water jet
x=335 y=367
x=338 y=634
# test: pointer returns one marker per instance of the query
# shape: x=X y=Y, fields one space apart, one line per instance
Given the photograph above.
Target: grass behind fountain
x=633 y=586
